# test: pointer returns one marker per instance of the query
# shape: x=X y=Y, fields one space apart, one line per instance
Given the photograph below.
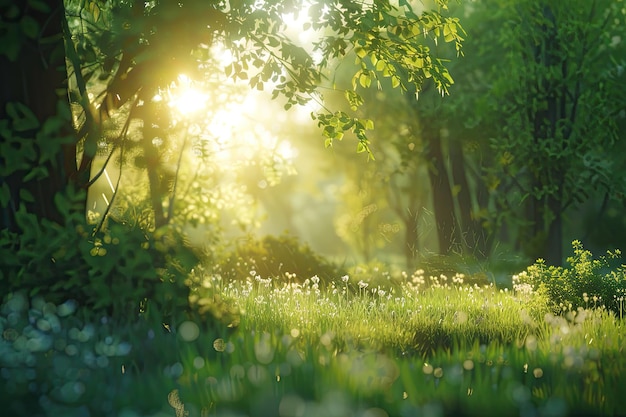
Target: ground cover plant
x=422 y=345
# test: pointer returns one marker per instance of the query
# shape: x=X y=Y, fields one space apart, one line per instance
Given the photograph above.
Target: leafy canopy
x=139 y=48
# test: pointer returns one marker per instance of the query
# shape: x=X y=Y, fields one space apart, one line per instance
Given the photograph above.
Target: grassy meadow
x=415 y=345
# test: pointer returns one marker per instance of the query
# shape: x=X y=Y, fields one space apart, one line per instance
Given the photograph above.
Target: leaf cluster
x=119 y=272
x=587 y=282
x=30 y=146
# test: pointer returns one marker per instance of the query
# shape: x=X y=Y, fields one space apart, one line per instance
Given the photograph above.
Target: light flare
x=185 y=98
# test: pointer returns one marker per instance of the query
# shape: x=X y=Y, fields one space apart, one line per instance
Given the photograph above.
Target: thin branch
x=120 y=138
x=105 y=215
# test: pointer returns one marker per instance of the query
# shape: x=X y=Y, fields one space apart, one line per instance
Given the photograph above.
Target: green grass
x=419 y=347
x=416 y=316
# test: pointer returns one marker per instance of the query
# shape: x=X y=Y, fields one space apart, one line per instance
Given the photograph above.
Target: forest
x=292 y=208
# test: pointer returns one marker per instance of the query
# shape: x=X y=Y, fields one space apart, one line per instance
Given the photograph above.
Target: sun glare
x=185 y=98
x=234 y=124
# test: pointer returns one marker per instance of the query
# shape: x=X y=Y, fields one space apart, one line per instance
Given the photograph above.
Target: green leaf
x=29 y=27
x=228 y=70
x=27 y=222
x=95 y=10
x=365 y=80
x=62 y=204
x=273 y=41
x=26 y=196
x=64 y=111
x=37 y=173
x=360 y=52
x=22 y=117
x=10 y=44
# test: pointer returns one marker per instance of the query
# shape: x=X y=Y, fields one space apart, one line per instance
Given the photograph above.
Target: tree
x=558 y=91
x=131 y=39
x=136 y=49
x=454 y=147
x=37 y=151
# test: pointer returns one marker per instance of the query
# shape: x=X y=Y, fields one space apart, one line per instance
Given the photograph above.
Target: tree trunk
x=547 y=210
x=473 y=235
x=37 y=79
x=443 y=203
x=554 y=240
x=411 y=238
x=406 y=203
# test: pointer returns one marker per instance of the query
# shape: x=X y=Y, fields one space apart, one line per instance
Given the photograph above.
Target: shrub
x=113 y=272
x=277 y=257
x=588 y=282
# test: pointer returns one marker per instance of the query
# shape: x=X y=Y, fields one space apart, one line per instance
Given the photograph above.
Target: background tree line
x=526 y=153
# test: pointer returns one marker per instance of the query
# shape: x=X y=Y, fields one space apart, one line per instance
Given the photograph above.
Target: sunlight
x=286 y=150
x=232 y=125
x=303 y=111
x=299 y=27
x=185 y=98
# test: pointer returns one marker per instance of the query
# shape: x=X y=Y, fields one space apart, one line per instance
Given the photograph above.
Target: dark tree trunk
x=409 y=211
x=443 y=203
x=411 y=238
x=554 y=240
x=544 y=239
x=546 y=212
x=473 y=234
x=36 y=78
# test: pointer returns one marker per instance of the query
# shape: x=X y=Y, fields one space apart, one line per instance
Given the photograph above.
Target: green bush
x=119 y=271
x=277 y=257
x=586 y=283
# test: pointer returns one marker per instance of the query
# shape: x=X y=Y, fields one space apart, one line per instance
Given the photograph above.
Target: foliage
x=279 y=257
x=588 y=282
x=555 y=98
x=124 y=42
x=119 y=271
x=410 y=175
x=122 y=58
x=293 y=351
